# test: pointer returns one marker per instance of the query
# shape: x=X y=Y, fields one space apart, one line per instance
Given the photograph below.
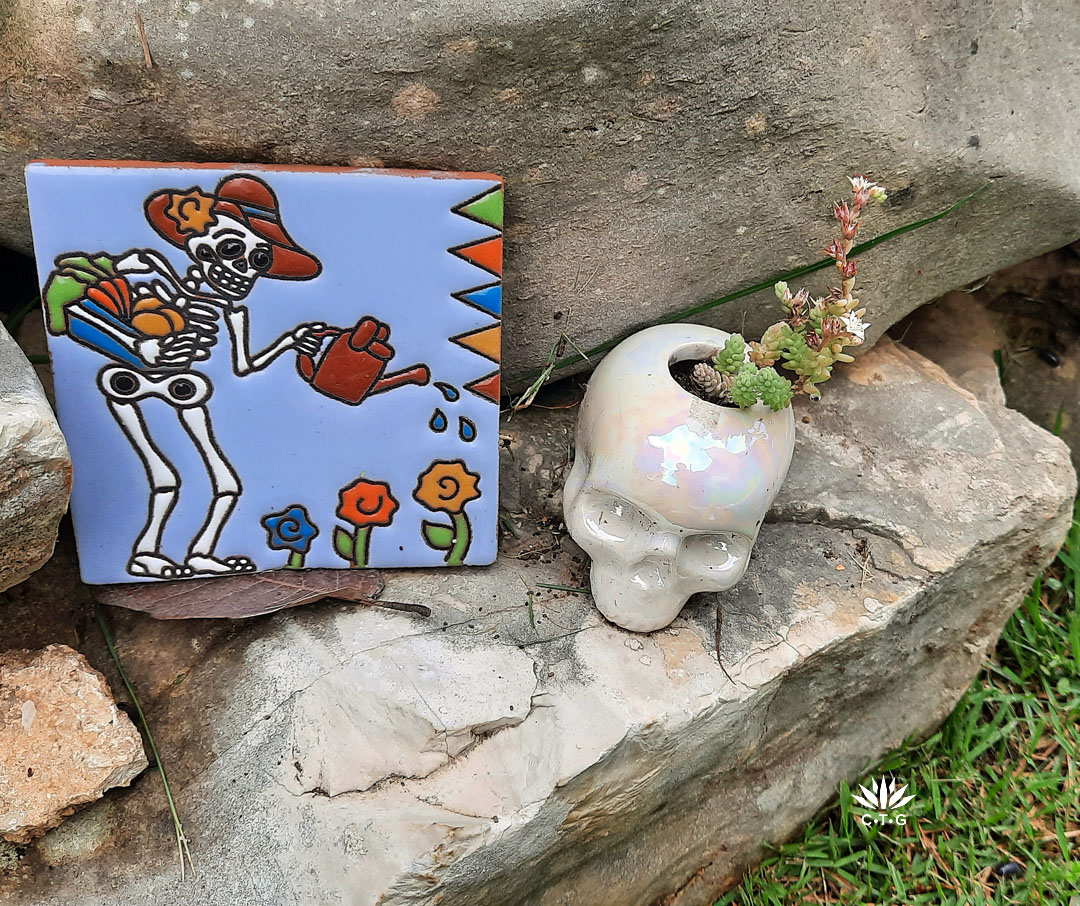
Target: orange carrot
x=125 y=294
x=94 y=294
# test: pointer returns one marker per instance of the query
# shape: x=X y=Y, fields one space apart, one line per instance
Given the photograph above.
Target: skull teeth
x=229 y=280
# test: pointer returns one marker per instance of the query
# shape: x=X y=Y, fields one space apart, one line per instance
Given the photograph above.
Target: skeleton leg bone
x=226 y=488
x=146 y=557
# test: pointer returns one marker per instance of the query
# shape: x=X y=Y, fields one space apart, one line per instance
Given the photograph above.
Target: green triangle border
x=459 y=208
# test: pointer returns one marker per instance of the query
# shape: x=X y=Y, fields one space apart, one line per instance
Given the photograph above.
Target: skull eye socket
x=205 y=253
x=230 y=248
x=714 y=554
x=261 y=259
x=613 y=519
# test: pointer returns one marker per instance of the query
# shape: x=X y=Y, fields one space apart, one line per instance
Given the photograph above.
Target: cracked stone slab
x=656 y=155
x=514 y=748
x=35 y=469
x=391 y=712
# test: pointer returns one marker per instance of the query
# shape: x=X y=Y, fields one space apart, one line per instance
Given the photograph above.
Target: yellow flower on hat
x=191 y=211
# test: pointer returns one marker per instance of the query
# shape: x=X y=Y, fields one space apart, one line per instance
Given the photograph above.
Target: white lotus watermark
x=885 y=798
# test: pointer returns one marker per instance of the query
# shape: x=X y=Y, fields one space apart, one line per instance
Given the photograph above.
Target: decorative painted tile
x=261 y=368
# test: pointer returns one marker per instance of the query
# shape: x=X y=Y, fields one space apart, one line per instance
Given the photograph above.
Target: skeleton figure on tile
x=156 y=325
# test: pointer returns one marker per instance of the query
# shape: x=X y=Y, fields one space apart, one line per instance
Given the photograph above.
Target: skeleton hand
x=147 y=261
x=138 y=262
x=175 y=349
x=304 y=338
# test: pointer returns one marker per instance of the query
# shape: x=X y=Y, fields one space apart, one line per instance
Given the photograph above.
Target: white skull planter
x=668 y=491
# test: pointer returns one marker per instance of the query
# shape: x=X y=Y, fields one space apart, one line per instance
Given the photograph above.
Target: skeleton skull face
x=231 y=257
x=667 y=491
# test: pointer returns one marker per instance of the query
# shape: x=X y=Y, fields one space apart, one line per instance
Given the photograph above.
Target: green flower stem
x=295 y=561
x=361 y=545
x=462 y=536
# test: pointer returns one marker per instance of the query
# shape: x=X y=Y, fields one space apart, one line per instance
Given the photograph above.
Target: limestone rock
x=516 y=750
x=656 y=155
x=961 y=335
x=410 y=720
x=1028 y=316
x=64 y=741
x=35 y=469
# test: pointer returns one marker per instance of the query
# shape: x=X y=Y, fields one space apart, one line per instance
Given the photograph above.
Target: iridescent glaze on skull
x=668 y=492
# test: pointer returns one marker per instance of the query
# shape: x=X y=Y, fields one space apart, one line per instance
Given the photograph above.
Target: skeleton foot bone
x=155 y=566
x=201 y=563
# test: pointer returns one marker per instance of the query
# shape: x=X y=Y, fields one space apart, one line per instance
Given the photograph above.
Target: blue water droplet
x=438 y=421
x=466 y=429
x=449 y=391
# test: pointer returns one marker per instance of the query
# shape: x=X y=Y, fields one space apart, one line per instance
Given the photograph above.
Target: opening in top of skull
x=681 y=364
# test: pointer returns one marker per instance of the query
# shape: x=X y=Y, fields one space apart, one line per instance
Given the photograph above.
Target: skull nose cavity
x=662 y=544
x=241 y=265
x=648 y=576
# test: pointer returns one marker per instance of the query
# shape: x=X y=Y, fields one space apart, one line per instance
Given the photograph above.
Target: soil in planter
x=683 y=373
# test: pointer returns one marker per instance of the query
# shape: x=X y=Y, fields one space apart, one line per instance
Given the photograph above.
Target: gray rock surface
x=657 y=155
x=1029 y=317
x=63 y=741
x=959 y=333
x=35 y=469
x=514 y=749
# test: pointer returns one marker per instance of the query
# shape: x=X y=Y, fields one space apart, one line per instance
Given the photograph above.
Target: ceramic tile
x=263 y=368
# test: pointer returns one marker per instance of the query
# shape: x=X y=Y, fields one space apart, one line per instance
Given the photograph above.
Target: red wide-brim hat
x=179 y=214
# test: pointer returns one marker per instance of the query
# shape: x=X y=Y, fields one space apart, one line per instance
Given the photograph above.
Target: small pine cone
x=706 y=379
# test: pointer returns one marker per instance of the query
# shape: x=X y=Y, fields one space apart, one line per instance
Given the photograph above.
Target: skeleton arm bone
x=148 y=261
x=244 y=361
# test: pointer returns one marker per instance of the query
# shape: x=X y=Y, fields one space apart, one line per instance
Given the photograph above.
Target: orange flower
x=447 y=486
x=191 y=211
x=367 y=503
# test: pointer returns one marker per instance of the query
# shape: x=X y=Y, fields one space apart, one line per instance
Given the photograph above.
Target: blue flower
x=290 y=530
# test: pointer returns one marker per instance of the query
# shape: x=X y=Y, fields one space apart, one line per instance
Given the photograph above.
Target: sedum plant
x=809 y=341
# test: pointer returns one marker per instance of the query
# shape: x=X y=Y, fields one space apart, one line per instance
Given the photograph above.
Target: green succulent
x=809 y=341
x=744 y=387
x=731 y=358
x=815 y=365
x=775 y=391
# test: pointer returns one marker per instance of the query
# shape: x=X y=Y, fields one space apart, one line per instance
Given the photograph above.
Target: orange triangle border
x=493 y=264
x=488 y=387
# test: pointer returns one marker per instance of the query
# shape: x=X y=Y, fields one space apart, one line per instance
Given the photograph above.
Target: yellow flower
x=191 y=211
x=447 y=486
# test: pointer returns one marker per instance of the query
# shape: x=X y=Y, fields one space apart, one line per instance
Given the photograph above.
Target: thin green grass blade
x=768 y=284
x=181 y=839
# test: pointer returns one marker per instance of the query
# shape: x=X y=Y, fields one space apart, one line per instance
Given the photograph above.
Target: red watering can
x=353 y=366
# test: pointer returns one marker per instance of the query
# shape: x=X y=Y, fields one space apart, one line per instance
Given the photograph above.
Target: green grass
x=182 y=849
x=998 y=784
